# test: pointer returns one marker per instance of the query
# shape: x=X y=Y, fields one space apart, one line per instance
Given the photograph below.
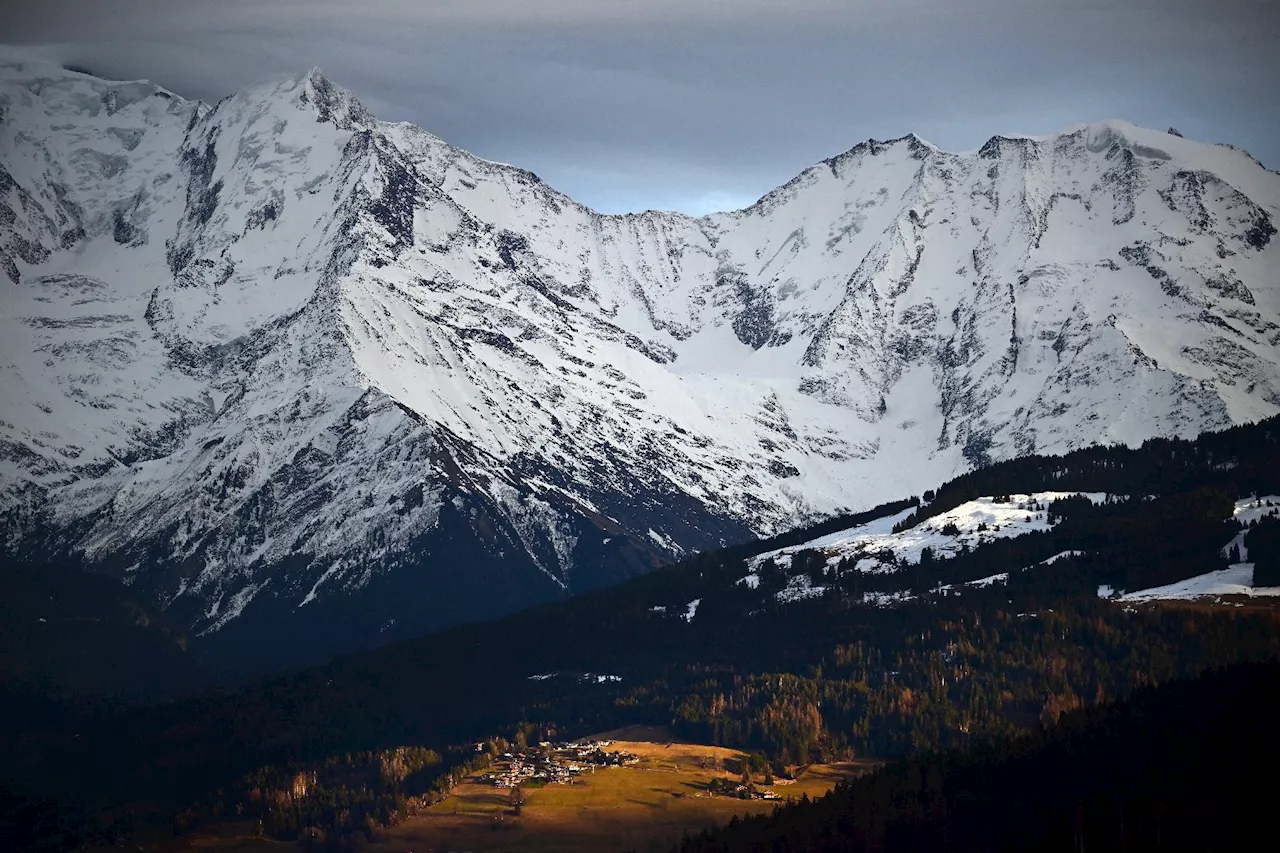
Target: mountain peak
x=333 y=103
x=309 y=90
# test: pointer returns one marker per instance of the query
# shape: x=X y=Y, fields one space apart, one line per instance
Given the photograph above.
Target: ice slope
x=270 y=356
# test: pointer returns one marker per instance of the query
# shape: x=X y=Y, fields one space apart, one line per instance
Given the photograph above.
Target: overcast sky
x=697 y=105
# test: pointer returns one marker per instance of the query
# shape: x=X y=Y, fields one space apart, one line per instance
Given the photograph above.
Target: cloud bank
x=627 y=105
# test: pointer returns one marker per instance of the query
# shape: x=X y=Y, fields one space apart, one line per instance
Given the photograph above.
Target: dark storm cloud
x=627 y=104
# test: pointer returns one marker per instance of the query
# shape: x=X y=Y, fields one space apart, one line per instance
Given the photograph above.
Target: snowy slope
x=829 y=563
x=875 y=547
x=1234 y=580
x=264 y=356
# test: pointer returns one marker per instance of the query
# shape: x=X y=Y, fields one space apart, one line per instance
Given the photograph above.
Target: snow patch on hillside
x=876 y=548
x=1234 y=580
x=799 y=587
x=1249 y=510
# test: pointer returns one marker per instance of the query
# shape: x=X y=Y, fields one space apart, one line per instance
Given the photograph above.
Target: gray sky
x=703 y=104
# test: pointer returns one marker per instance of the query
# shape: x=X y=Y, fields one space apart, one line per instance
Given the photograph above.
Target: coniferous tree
x=1263 y=542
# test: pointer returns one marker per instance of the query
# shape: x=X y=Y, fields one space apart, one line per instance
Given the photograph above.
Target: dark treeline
x=822 y=528
x=1243 y=458
x=1263 y=544
x=78 y=639
x=1171 y=768
x=892 y=682
x=344 y=800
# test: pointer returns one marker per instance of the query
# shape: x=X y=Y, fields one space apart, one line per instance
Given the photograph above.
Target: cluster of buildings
x=724 y=787
x=552 y=763
x=751 y=792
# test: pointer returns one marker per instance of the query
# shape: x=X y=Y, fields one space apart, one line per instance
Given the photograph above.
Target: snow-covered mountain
x=307 y=377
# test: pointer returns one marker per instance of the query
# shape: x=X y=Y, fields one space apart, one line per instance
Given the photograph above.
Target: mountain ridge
x=273 y=350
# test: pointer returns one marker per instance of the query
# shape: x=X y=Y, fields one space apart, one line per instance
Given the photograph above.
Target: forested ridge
x=1243 y=458
x=825 y=678
x=1166 y=769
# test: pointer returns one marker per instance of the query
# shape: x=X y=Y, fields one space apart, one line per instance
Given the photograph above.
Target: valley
x=644 y=807
x=661 y=791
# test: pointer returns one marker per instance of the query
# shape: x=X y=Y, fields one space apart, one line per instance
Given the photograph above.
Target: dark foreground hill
x=82 y=639
x=1175 y=767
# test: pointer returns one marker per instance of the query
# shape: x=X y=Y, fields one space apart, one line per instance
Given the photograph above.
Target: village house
x=556 y=764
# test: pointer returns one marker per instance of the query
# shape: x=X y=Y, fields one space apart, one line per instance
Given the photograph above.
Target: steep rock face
x=314 y=379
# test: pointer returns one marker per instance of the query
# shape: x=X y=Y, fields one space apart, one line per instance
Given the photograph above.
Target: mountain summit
x=312 y=381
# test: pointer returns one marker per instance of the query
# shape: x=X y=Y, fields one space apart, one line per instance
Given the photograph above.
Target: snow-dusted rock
x=300 y=373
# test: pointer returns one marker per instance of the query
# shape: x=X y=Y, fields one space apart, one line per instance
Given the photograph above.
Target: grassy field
x=645 y=807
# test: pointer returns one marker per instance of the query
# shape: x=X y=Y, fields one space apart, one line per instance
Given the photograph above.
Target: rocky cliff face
x=311 y=381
